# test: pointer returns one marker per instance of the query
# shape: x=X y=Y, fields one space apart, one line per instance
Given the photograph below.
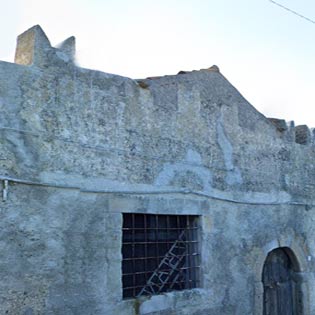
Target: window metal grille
x=160 y=253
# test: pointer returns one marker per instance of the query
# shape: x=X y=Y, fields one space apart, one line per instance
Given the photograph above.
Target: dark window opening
x=160 y=253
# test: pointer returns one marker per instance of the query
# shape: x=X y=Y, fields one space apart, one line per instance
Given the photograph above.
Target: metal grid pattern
x=160 y=253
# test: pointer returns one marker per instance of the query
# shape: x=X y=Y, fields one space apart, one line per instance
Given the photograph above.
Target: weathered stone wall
x=79 y=147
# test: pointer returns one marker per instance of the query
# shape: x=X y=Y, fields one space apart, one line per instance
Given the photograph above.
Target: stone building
x=168 y=195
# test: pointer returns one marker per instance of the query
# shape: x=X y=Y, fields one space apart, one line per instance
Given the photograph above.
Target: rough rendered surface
x=80 y=147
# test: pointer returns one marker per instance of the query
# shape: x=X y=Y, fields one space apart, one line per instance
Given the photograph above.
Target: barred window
x=160 y=253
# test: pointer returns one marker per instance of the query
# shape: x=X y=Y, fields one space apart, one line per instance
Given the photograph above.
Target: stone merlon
x=33 y=48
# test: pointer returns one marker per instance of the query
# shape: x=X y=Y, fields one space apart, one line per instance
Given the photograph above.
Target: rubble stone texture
x=80 y=147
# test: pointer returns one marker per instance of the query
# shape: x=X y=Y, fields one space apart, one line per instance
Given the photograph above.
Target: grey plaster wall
x=80 y=147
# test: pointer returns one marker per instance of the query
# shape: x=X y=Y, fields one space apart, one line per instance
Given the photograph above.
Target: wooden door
x=279 y=288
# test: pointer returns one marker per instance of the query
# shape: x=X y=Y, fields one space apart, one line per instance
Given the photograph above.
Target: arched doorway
x=282 y=294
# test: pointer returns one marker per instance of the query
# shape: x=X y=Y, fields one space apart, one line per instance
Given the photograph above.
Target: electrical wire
x=154 y=191
x=292 y=11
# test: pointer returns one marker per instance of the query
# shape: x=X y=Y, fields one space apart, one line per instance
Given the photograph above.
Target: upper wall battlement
x=34 y=49
x=301 y=134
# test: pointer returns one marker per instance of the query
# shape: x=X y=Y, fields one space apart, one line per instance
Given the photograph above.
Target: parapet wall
x=301 y=134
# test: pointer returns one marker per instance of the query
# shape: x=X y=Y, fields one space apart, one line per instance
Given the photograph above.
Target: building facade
x=163 y=196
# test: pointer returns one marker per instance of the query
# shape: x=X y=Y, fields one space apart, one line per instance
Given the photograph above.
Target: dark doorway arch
x=282 y=294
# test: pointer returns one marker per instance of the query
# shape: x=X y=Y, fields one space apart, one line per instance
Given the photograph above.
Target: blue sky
x=264 y=51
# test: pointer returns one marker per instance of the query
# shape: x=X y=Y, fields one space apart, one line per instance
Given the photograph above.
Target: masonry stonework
x=78 y=148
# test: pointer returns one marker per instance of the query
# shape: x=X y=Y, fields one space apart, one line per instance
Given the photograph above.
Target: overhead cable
x=292 y=11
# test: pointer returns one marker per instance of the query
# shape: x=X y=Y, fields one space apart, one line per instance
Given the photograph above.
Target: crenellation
x=312 y=131
x=280 y=124
x=302 y=135
x=68 y=48
x=34 y=48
